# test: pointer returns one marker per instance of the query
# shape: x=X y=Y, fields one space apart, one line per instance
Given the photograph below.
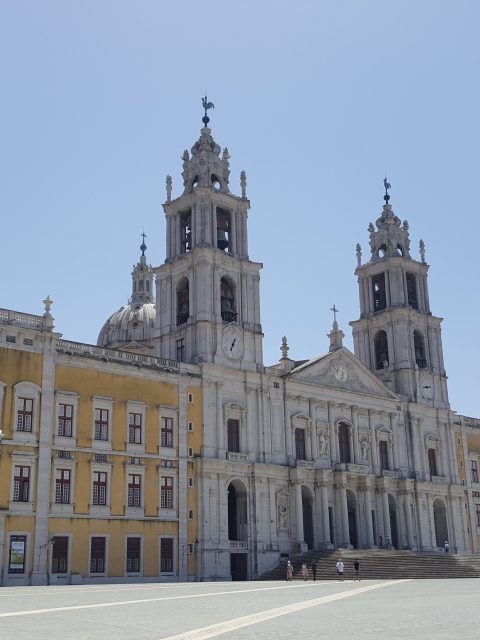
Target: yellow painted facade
x=84 y=503
x=467 y=438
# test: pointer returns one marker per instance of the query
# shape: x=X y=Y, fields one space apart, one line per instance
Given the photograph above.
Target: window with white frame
x=166 y=555
x=102 y=421
x=98 y=554
x=474 y=470
x=21 y=483
x=26 y=411
x=63 y=478
x=134 y=428
x=166 y=432
x=134 y=555
x=100 y=488
x=134 y=490
x=166 y=492
x=65 y=420
x=60 y=554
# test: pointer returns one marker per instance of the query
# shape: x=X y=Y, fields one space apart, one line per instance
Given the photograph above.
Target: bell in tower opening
x=223 y=229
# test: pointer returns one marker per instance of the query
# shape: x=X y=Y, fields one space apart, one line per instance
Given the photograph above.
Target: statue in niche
x=282 y=514
x=364 y=448
x=322 y=444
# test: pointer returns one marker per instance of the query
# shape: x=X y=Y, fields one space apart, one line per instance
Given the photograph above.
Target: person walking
x=289 y=571
x=314 y=569
x=340 y=567
x=446 y=546
x=356 y=567
x=305 y=571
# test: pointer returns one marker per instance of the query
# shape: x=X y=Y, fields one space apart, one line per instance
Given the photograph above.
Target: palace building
x=171 y=451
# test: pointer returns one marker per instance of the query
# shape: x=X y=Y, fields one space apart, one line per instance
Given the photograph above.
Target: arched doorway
x=237 y=527
x=307 y=507
x=392 y=510
x=352 y=518
x=440 y=519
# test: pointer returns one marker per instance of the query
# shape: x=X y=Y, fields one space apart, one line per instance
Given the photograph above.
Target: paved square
x=413 y=609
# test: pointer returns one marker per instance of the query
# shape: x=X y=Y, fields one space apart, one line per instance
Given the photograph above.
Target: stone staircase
x=380 y=564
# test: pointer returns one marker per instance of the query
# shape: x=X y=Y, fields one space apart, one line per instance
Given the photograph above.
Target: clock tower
x=397 y=336
x=208 y=302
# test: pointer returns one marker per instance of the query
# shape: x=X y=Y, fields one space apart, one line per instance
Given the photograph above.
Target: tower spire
x=142 y=278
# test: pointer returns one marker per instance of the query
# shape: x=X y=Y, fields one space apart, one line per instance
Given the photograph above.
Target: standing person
x=380 y=541
x=340 y=567
x=304 y=571
x=289 y=571
x=446 y=546
x=356 y=566
x=388 y=542
x=314 y=569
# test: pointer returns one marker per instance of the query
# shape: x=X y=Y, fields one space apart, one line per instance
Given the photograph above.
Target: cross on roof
x=335 y=311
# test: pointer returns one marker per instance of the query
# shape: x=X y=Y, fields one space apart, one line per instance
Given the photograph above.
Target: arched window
x=381 y=350
x=412 y=290
x=233 y=435
x=344 y=442
x=379 y=295
x=432 y=462
x=183 y=301
x=300 y=444
x=227 y=300
x=223 y=229
x=419 y=346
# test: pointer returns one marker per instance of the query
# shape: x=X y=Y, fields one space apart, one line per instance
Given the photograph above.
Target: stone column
x=386 y=516
x=325 y=515
x=344 y=514
x=299 y=512
x=408 y=520
x=222 y=446
x=3 y=568
x=368 y=517
x=233 y=233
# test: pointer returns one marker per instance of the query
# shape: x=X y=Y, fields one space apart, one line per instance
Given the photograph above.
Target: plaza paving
x=413 y=609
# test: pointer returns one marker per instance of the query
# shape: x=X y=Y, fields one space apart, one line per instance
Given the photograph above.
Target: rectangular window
x=65 y=420
x=135 y=428
x=166 y=493
x=59 y=554
x=16 y=554
x=101 y=424
x=99 y=495
x=383 y=451
x=134 y=490
x=344 y=443
x=233 y=435
x=24 y=414
x=166 y=432
x=97 y=554
x=181 y=350
x=166 y=554
x=133 y=555
x=474 y=470
x=432 y=462
x=477 y=512
x=21 y=484
x=300 y=444
x=62 y=486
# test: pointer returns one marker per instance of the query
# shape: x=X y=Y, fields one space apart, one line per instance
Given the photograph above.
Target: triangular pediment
x=340 y=369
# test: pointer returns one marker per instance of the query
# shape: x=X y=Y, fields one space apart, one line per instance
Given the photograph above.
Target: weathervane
x=387 y=186
x=206 y=105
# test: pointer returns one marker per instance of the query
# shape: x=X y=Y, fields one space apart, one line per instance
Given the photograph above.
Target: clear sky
x=316 y=101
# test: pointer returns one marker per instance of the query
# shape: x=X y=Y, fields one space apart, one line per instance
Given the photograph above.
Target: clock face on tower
x=232 y=342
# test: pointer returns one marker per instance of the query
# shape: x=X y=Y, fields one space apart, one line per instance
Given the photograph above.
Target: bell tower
x=208 y=302
x=397 y=337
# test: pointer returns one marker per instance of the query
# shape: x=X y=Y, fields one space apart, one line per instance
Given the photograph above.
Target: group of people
x=340 y=567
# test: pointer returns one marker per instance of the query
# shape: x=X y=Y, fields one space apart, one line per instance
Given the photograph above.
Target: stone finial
x=284 y=348
x=422 y=251
x=359 y=254
x=243 y=183
x=226 y=156
x=406 y=226
x=185 y=156
x=169 y=188
x=47 y=316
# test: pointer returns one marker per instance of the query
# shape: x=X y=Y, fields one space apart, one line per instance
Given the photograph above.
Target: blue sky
x=315 y=100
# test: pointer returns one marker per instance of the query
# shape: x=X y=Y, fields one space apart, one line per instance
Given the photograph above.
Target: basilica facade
x=239 y=463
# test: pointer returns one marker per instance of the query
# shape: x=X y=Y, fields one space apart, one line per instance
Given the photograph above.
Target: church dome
x=132 y=326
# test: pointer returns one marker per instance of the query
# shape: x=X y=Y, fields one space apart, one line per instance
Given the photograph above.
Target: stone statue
x=282 y=516
x=322 y=444
x=364 y=447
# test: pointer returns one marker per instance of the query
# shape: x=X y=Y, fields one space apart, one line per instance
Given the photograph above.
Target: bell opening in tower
x=412 y=290
x=227 y=300
x=186 y=231
x=223 y=229
x=379 y=294
x=183 y=301
x=381 y=351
